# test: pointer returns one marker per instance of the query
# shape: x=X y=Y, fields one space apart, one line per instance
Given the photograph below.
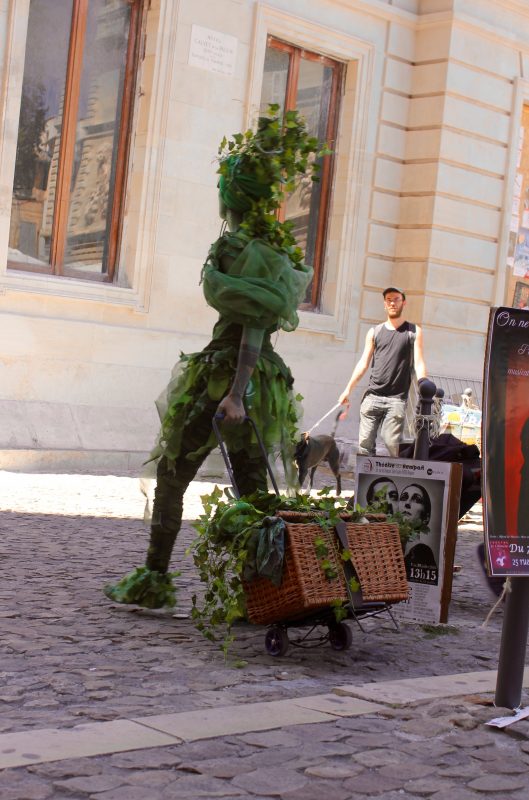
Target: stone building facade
x=109 y=202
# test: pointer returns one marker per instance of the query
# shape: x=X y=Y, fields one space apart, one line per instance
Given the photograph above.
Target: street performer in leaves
x=255 y=278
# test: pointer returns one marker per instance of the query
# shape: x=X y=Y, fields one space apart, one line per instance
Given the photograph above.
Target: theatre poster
x=505 y=451
x=427 y=492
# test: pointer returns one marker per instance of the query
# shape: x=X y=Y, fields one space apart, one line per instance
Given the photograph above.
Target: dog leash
x=341 y=415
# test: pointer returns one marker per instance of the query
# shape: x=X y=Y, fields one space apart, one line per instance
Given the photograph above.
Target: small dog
x=311 y=451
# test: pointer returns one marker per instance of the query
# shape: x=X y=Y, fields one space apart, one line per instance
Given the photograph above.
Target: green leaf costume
x=255 y=278
x=260 y=289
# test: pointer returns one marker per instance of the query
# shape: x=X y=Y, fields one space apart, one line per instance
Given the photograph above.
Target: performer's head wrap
x=238 y=188
x=259 y=168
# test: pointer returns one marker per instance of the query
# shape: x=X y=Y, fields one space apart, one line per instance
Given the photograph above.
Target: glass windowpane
x=97 y=135
x=518 y=247
x=39 y=131
x=274 y=78
x=312 y=100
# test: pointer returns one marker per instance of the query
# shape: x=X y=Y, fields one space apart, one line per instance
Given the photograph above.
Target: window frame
x=296 y=53
x=73 y=73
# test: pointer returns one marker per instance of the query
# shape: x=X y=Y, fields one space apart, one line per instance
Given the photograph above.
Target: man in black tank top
x=392 y=349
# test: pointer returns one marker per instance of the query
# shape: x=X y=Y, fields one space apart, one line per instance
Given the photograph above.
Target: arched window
x=74 y=130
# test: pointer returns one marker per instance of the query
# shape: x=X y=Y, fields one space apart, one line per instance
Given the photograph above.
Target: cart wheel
x=276 y=641
x=340 y=636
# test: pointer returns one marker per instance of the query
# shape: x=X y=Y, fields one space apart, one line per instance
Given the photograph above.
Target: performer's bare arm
x=232 y=407
x=418 y=356
x=361 y=366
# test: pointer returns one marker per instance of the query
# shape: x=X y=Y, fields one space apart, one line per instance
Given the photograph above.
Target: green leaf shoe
x=144 y=587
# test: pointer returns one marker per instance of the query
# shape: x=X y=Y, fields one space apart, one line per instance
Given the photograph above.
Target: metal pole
x=427 y=391
x=513 y=645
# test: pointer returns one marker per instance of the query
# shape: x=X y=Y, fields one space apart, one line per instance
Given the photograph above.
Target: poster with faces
x=417 y=492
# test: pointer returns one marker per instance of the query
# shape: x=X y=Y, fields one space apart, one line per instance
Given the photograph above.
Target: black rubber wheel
x=340 y=636
x=276 y=641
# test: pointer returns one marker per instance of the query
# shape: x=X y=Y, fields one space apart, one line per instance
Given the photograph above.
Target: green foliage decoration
x=145 y=587
x=270 y=162
x=220 y=550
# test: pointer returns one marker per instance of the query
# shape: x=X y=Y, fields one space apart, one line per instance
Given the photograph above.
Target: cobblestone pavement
x=71 y=656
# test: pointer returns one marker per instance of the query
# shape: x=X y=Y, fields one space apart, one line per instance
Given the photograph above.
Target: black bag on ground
x=449 y=448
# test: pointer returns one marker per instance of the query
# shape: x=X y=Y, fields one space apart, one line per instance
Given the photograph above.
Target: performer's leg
x=250 y=473
x=151 y=586
x=172 y=480
x=171 y=484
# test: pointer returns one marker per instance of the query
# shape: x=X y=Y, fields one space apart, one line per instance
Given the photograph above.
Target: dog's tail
x=342 y=413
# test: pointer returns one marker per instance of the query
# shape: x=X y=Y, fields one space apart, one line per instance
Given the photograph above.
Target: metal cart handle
x=348 y=567
x=219 y=417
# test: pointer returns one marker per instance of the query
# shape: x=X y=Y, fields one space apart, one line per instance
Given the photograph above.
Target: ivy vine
x=276 y=156
x=220 y=550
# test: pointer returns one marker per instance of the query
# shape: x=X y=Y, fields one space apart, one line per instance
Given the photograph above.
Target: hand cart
x=306 y=597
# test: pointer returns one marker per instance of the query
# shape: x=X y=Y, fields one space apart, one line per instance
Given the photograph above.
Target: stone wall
x=425 y=161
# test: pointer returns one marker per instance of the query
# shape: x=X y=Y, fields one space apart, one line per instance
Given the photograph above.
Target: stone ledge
x=92 y=461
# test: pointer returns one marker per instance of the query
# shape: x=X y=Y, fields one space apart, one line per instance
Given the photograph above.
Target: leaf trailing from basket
x=340 y=610
x=320 y=547
x=322 y=551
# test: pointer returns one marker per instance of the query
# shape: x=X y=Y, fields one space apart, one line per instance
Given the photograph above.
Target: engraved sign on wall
x=213 y=51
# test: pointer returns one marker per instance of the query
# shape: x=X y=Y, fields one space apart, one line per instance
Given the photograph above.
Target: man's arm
x=361 y=366
x=231 y=407
x=418 y=357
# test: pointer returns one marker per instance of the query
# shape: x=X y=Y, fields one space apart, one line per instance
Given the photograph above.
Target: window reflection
x=312 y=100
x=97 y=134
x=275 y=78
x=39 y=130
x=65 y=172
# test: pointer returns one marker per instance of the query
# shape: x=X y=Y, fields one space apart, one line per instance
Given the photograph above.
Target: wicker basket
x=304 y=588
x=376 y=553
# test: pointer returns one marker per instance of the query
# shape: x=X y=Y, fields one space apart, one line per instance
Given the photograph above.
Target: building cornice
x=380 y=9
x=519 y=6
x=491 y=32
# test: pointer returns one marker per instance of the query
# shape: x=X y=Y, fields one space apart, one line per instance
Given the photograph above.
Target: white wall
x=422 y=183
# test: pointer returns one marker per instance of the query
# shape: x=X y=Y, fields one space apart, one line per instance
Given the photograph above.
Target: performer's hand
x=231 y=408
x=344 y=399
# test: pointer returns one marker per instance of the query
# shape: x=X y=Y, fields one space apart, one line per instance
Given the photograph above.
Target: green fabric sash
x=259 y=288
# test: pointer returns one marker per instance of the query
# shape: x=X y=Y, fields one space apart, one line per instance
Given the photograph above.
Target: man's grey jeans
x=386 y=413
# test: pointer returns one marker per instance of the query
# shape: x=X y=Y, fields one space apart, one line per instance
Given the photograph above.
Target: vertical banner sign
x=506 y=442
x=427 y=494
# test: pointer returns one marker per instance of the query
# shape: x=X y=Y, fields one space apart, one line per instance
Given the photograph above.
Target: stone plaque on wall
x=212 y=50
